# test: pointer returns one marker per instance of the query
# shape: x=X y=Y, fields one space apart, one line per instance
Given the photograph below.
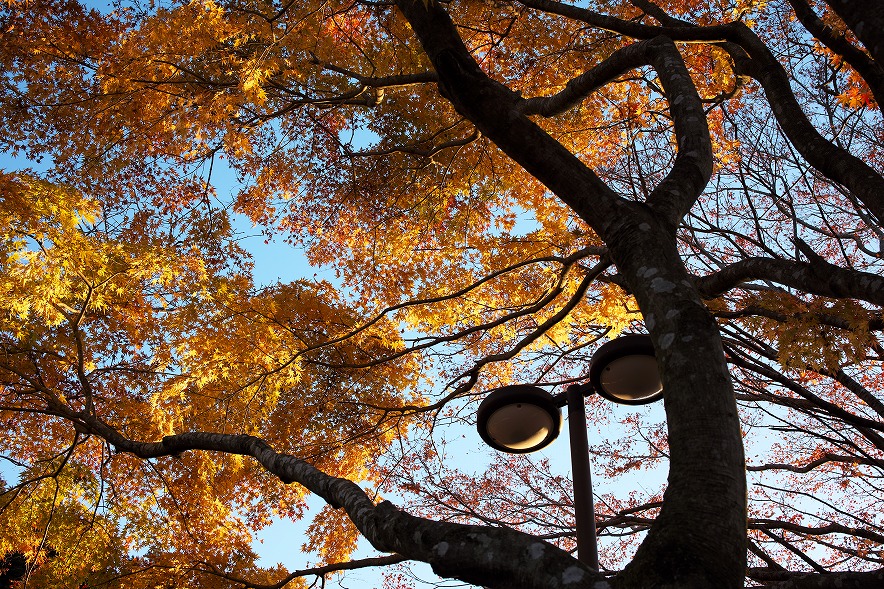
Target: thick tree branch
x=629 y=28
x=875 y=322
x=482 y=555
x=826 y=458
x=831 y=528
x=834 y=162
x=866 y=20
x=817 y=277
x=752 y=58
x=690 y=173
x=870 y=70
x=837 y=580
x=492 y=107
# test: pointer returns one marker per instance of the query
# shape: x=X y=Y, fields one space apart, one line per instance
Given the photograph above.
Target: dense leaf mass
x=497 y=186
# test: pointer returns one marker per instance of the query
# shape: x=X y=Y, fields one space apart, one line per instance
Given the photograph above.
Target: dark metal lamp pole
x=581 y=475
x=522 y=418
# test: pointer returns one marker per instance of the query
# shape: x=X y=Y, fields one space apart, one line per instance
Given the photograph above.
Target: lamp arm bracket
x=561 y=399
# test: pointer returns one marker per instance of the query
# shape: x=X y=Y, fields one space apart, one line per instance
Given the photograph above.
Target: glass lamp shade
x=625 y=371
x=519 y=419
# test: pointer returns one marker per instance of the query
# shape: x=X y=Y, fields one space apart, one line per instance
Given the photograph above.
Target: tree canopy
x=500 y=186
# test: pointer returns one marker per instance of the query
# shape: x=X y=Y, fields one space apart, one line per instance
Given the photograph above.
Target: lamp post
x=522 y=418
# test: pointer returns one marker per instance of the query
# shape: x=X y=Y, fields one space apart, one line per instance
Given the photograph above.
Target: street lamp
x=519 y=419
x=522 y=418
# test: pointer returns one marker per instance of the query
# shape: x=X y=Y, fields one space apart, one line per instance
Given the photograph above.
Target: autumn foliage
x=495 y=189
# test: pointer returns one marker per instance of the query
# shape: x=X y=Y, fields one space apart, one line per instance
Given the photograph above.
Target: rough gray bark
x=818 y=277
x=481 y=555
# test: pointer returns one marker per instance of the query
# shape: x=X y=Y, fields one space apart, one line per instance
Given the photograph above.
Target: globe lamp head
x=519 y=419
x=625 y=371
